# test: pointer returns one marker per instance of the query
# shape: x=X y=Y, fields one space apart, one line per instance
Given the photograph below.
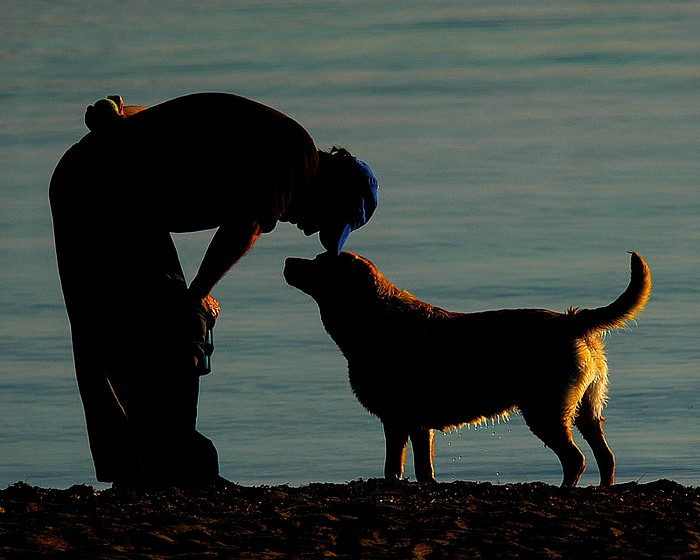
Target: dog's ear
x=360 y=274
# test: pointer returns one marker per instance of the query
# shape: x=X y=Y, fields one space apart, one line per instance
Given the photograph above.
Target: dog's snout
x=294 y=270
x=288 y=267
x=294 y=263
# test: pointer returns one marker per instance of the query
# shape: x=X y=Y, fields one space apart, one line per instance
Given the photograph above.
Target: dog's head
x=358 y=305
x=334 y=280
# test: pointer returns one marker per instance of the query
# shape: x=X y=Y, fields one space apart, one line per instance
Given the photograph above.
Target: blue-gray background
x=522 y=149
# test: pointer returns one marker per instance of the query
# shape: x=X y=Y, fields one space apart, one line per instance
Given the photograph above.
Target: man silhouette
x=203 y=161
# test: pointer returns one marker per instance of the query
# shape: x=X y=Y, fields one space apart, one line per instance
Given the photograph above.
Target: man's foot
x=216 y=482
x=220 y=483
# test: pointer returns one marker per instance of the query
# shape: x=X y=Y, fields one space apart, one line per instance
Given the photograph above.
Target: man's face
x=304 y=218
x=310 y=212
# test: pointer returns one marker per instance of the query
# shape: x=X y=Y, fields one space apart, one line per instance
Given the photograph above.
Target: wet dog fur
x=420 y=368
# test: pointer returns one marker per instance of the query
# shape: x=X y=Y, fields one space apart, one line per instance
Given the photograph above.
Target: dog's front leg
x=396 y=438
x=422 y=442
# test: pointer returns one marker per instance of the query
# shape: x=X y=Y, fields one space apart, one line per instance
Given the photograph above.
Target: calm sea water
x=522 y=150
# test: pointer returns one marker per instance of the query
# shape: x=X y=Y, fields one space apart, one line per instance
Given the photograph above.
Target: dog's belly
x=430 y=401
x=457 y=382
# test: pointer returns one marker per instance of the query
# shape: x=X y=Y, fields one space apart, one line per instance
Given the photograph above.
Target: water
x=521 y=151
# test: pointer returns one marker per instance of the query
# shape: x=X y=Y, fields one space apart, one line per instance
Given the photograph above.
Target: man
x=198 y=162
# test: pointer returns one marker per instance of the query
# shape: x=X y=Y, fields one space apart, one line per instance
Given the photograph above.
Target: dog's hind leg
x=422 y=442
x=592 y=431
x=590 y=423
x=556 y=434
x=396 y=439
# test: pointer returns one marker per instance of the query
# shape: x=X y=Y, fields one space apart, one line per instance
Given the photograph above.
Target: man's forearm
x=229 y=244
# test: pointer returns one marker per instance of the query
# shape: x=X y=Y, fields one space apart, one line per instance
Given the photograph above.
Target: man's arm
x=229 y=244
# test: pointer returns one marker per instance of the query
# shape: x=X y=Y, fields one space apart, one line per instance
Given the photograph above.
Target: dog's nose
x=291 y=264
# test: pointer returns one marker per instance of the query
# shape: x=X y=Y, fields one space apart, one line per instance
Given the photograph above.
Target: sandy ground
x=361 y=519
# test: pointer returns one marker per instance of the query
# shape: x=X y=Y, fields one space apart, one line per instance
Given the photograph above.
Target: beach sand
x=360 y=519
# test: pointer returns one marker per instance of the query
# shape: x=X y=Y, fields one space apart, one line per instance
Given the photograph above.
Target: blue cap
x=363 y=196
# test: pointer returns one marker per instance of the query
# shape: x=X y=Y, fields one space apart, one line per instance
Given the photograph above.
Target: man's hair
x=339 y=151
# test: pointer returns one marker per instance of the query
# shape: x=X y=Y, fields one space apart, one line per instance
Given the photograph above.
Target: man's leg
x=111 y=445
x=82 y=269
x=155 y=373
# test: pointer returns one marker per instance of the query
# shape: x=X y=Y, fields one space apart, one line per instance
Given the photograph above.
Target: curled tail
x=624 y=308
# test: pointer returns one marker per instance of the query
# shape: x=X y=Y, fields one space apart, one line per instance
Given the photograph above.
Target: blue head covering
x=362 y=202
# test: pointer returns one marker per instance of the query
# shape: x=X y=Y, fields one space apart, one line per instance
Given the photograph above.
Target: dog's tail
x=624 y=308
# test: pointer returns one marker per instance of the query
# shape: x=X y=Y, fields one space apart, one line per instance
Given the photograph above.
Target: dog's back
x=405 y=310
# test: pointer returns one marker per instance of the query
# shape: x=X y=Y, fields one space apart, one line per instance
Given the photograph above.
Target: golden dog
x=420 y=368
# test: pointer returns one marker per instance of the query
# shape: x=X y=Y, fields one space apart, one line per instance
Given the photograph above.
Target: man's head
x=341 y=197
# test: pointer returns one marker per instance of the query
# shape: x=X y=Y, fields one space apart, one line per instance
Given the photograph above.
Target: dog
x=420 y=368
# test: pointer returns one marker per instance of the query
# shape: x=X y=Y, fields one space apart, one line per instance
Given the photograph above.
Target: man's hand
x=210 y=306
